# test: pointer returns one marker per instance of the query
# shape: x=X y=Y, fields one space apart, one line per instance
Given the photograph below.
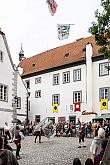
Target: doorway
x=37 y=118
x=72 y=119
x=52 y=119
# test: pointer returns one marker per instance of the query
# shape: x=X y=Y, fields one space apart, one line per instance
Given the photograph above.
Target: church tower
x=21 y=54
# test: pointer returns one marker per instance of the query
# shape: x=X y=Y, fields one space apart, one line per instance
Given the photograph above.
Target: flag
x=63 y=31
x=55 y=108
x=104 y=104
x=77 y=106
x=52 y=5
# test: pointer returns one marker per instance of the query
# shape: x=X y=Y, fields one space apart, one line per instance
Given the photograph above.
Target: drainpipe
x=27 y=109
x=15 y=73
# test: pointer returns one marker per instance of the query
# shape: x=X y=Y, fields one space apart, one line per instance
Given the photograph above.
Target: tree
x=101 y=28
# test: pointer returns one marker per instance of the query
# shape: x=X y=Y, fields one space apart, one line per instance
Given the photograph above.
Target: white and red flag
x=52 y=6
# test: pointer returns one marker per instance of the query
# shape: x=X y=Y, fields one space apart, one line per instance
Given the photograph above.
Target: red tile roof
x=59 y=56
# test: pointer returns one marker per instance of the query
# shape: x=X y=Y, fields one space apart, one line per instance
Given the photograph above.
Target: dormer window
x=66 y=55
x=33 y=64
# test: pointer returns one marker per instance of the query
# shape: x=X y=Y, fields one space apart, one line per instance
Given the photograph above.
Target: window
x=18 y=104
x=103 y=93
x=38 y=94
x=56 y=79
x=77 y=75
x=37 y=80
x=77 y=96
x=103 y=69
x=66 y=77
x=27 y=84
x=1 y=56
x=56 y=99
x=3 y=92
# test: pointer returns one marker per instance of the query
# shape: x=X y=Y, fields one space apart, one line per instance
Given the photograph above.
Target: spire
x=21 y=54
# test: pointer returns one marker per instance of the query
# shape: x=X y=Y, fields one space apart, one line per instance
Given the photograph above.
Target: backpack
x=98 y=158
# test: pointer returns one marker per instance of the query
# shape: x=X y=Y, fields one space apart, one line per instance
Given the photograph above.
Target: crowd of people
x=99 y=131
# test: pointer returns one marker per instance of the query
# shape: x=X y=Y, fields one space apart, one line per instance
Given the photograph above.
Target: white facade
x=88 y=85
x=99 y=82
x=92 y=85
x=43 y=106
x=7 y=86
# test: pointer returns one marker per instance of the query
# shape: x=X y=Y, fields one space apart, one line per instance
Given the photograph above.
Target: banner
x=55 y=108
x=104 y=104
x=77 y=106
x=52 y=5
x=63 y=31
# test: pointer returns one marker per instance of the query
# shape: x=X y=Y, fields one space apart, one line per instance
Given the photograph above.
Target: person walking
x=37 y=132
x=17 y=141
x=81 y=135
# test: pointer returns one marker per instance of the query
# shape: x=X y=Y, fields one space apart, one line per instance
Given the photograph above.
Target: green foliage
x=101 y=28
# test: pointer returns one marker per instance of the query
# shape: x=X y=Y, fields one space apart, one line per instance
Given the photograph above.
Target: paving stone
x=56 y=151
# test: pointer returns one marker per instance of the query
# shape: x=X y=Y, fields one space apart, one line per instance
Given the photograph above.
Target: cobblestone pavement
x=56 y=151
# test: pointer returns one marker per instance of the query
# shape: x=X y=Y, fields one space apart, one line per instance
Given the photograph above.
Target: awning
x=106 y=115
x=102 y=117
x=98 y=118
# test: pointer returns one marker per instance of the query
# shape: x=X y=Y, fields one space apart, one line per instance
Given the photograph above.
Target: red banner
x=77 y=106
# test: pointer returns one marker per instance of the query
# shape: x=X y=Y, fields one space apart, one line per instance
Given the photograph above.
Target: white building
x=67 y=82
x=13 y=93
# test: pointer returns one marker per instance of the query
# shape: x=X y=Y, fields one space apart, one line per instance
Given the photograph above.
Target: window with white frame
x=56 y=99
x=1 y=56
x=37 y=80
x=103 y=69
x=3 y=92
x=66 y=77
x=27 y=82
x=104 y=93
x=77 y=96
x=77 y=75
x=38 y=94
x=56 y=79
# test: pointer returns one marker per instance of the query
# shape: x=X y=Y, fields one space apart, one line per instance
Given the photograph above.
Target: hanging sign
x=55 y=108
x=104 y=104
x=77 y=106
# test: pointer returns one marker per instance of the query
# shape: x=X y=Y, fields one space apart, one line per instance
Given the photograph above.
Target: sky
x=29 y=22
